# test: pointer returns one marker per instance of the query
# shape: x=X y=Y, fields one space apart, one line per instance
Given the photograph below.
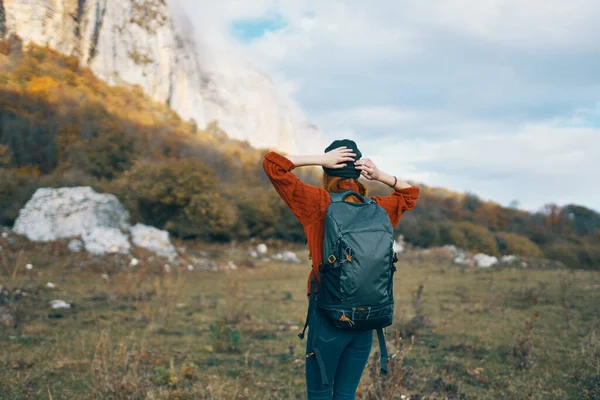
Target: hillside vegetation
x=61 y=126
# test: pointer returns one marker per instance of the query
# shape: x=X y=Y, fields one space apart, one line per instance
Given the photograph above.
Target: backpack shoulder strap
x=384 y=358
x=339 y=197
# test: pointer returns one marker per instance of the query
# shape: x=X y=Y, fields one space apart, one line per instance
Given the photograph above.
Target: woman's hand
x=337 y=158
x=368 y=169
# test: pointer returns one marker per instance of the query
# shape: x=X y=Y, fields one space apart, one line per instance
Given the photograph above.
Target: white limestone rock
x=154 y=240
x=399 y=245
x=143 y=43
x=75 y=245
x=53 y=214
x=463 y=260
x=485 y=261
x=452 y=249
x=59 y=304
x=103 y=240
x=511 y=259
x=287 y=256
x=262 y=249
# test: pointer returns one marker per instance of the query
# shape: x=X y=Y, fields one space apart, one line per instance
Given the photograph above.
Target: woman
x=345 y=353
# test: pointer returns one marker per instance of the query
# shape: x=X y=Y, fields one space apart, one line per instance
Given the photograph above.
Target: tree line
x=62 y=126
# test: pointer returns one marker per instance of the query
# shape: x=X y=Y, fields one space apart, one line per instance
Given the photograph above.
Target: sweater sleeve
x=399 y=202
x=304 y=200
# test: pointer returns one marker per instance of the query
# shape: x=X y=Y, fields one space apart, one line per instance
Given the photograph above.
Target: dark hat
x=349 y=171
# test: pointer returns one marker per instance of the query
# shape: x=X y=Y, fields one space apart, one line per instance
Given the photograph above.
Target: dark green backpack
x=356 y=277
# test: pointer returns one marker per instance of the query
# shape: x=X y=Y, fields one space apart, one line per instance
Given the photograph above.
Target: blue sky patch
x=247 y=30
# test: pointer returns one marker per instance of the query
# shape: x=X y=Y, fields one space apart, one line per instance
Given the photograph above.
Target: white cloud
x=498 y=97
x=532 y=163
x=516 y=22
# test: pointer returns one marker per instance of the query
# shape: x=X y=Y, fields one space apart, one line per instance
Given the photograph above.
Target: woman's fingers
x=366 y=168
x=364 y=161
x=338 y=166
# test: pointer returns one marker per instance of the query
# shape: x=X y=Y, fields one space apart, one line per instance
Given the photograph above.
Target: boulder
x=262 y=249
x=287 y=256
x=399 y=244
x=106 y=240
x=75 y=246
x=154 y=240
x=509 y=259
x=452 y=249
x=58 y=304
x=485 y=261
x=53 y=214
x=462 y=259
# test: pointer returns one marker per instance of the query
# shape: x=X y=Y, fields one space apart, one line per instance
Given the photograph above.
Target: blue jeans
x=345 y=355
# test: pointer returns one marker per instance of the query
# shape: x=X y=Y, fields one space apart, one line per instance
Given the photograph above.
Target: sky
x=500 y=98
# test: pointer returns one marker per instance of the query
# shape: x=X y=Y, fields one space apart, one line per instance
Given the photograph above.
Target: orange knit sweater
x=309 y=203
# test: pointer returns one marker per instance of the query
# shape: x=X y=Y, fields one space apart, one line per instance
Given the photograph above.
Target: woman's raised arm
x=334 y=159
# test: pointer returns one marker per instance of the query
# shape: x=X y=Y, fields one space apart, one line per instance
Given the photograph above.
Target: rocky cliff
x=138 y=42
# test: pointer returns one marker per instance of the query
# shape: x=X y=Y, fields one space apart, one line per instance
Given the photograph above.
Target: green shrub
x=564 y=252
x=479 y=238
x=161 y=190
x=452 y=234
x=589 y=256
x=207 y=215
x=258 y=211
x=15 y=190
x=182 y=197
x=5 y=156
x=225 y=338
x=104 y=156
x=420 y=231
x=511 y=243
x=426 y=235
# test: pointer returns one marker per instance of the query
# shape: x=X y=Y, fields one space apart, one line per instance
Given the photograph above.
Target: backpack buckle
x=331 y=259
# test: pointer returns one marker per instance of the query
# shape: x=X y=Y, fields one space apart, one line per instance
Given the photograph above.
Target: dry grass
x=145 y=333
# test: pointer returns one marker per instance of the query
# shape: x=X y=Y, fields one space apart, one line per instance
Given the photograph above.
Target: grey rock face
x=140 y=43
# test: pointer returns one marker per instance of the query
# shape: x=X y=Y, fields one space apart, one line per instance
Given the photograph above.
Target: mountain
x=141 y=43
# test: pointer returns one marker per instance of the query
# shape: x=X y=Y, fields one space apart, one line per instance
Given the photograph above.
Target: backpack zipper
x=343 y=318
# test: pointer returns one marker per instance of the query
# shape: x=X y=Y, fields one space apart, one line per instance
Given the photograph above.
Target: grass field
x=145 y=333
